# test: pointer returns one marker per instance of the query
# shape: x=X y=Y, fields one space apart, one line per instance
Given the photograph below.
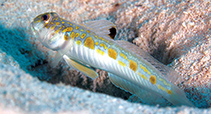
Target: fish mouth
x=35 y=32
x=32 y=28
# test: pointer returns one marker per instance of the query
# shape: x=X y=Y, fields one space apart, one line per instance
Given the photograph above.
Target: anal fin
x=143 y=95
x=82 y=68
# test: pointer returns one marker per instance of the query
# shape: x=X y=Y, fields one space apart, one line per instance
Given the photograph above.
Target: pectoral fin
x=56 y=59
x=82 y=68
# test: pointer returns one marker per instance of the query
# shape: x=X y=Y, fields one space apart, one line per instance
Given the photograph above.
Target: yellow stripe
x=143 y=76
x=122 y=63
x=164 y=89
x=145 y=69
x=100 y=52
x=167 y=84
x=123 y=55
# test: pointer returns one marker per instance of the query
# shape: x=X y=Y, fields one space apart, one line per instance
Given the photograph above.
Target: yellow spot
x=65 y=37
x=57 y=23
x=78 y=42
x=122 y=63
x=112 y=53
x=63 y=22
x=103 y=39
x=52 y=27
x=83 y=35
x=96 y=43
x=51 y=23
x=47 y=26
x=76 y=27
x=143 y=76
x=88 y=31
x=133 y=65
x=71 y=24
x=63 y=26
x=68 y=22
x=82 y=30
x=37 y=21
x=89 y=43
x=100 y=52
x=72 y=35
x=103 y=45
x=56 y=18
x=57 y=31
x=145 y=69
x=68 y=29
x=77 y=35
x=169 y=91
x=153 y=79
x=123 y=55
x=167 y=84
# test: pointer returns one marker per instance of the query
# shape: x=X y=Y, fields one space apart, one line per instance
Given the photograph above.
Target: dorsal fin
x=167 y=72
x=103 y=28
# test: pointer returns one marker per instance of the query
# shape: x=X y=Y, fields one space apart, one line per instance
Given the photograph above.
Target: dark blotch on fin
x=112 y=32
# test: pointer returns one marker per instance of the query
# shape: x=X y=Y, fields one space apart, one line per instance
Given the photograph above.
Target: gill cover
x=45 y=33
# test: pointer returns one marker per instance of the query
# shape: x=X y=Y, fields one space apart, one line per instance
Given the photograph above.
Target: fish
x=91 y=45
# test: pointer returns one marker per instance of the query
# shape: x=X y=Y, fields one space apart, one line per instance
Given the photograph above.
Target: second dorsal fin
x=103 y=28
x=167 y=72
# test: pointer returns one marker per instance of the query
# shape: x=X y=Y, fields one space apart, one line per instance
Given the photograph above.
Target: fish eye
x=45 y=17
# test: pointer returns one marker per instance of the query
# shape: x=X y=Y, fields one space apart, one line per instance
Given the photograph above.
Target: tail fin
x=179 y=98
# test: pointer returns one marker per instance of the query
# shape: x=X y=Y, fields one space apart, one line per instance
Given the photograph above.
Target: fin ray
x=56 y=59
x=167 y=72
x=82 y=68
x=103 y=28
x=142 y=94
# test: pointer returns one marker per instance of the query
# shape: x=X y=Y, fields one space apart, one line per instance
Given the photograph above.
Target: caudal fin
x=179 y=98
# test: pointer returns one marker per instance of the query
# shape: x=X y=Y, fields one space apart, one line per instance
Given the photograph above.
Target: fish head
x=46 y=31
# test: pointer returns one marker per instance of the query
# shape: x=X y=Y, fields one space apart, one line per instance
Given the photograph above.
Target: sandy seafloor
x=176 y=32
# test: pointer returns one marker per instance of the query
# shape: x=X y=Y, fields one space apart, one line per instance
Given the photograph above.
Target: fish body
x=92 y=45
